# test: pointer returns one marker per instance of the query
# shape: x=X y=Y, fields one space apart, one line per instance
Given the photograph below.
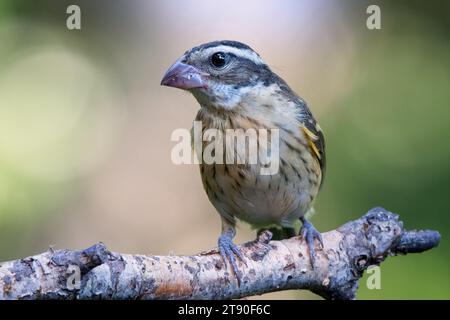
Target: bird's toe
x=229 y=251
x=309 y=233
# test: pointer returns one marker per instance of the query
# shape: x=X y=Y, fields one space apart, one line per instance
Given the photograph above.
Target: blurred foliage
x=387 y=144
x=46 y=120
x=387 y=138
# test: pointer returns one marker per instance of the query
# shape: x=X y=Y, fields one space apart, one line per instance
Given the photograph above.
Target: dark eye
x=219 y=59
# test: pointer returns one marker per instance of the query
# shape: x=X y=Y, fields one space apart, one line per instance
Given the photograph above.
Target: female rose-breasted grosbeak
x=237 y=90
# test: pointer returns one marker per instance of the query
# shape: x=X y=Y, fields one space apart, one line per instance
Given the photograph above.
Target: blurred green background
x=85 y=127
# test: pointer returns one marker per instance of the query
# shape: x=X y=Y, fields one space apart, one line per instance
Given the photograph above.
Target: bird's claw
x=228 y=250
x=309 y=233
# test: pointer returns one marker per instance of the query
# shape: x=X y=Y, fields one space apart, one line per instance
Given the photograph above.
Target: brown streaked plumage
x=237 y=90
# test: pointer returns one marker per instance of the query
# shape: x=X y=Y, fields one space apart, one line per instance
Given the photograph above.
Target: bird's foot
x=228 y=250
x=309 y=233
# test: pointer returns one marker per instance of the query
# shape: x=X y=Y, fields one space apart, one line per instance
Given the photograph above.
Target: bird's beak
x=183 y=76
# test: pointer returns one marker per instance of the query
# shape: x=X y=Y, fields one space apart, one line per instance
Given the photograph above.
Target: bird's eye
x=219 y=59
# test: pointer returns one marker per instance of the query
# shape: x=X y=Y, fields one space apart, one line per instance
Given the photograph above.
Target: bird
x=236 y=89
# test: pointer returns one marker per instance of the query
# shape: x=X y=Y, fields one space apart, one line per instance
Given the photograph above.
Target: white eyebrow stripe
x=244 y=53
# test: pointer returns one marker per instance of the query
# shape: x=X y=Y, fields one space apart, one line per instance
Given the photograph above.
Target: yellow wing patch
x=312 y=138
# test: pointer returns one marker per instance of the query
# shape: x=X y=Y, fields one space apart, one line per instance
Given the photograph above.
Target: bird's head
x=219 y=74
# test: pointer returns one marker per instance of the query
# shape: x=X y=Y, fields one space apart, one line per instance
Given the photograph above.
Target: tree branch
x=271 y=266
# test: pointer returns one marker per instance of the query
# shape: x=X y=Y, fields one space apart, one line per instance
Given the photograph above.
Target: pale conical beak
x=183 y=76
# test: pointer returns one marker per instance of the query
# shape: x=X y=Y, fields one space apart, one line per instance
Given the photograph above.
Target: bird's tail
x=280 y=233
x=287 y=231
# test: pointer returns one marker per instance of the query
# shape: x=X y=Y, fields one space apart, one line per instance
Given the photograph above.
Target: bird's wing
x=308 y=124
x=316 y=141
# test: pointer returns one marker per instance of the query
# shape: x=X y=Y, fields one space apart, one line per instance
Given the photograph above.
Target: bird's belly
x=265 y=207
x=261 y=200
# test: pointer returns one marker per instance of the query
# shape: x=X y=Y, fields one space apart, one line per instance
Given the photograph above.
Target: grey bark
x=270 y=266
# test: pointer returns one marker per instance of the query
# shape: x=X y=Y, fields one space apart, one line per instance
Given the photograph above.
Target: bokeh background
x=85 y=127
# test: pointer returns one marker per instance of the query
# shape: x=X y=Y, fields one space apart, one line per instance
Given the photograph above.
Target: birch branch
x=97 y=273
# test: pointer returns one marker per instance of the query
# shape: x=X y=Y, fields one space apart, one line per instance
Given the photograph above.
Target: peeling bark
x=271 y=266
